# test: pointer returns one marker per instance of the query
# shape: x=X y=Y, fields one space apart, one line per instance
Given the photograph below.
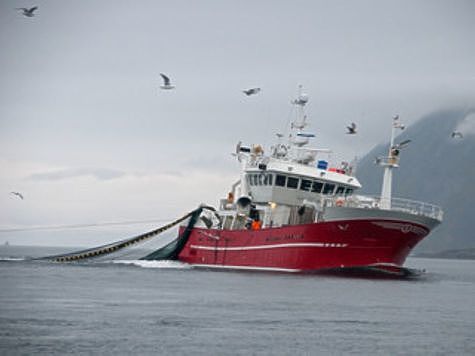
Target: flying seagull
x=251 y=91
x=457 y=134
x=351 y=129
x=28 y=12
x=166 y=82
x=19 y=195
x=401 y=144
x=397 y=147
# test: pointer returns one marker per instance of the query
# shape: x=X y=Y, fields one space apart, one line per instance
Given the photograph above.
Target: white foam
x=11 y=259
x=154 y=264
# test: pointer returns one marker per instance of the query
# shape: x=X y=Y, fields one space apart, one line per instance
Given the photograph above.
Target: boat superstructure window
x=280 y=180
x=268 y=179
x=306 y=185
x=292 y=182
x=328 y=188
x=340 y=190
x=317 y=187
x=260 y=179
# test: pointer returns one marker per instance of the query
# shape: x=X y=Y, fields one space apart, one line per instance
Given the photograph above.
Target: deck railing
x=397 y=204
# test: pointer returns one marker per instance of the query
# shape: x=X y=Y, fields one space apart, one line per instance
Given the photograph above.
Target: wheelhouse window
x=267 y=178
x=306 y=185
x=317 y=187
x=340 y=190
x=328 y=188
x=260 y=179
x=249 y=179
x=280 y=180
x=349 y=191
x=292 y=182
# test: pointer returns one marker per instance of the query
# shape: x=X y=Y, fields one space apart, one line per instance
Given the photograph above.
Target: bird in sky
x=28 y=12
x=397 y=147
x=19 y=195
x=401 y=144
x=351 y=129
x=166 y=82
x=251 y=91
x=456 y=134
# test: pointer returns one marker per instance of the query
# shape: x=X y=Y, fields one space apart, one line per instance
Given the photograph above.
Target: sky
x=87 y=136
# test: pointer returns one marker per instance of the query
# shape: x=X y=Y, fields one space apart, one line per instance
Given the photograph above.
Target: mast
x=297 y=137
x=386 y=190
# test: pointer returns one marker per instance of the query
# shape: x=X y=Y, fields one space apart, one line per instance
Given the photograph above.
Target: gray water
x=166 y=308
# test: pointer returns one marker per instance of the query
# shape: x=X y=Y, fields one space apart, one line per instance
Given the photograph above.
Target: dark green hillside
x=434 y=168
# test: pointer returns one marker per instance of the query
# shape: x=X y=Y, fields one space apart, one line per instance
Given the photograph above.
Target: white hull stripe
x=249 y=268
x=264 y=247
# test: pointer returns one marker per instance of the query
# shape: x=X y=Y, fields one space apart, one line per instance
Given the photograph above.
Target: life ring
x=339 y=202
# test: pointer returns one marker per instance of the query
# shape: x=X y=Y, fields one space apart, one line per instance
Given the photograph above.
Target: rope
x=78 y=226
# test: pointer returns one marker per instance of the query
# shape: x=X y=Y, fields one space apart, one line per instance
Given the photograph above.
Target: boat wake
x=154 y=264
x=10 y=259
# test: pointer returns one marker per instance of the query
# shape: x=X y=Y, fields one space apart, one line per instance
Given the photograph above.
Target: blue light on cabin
x=322 y=165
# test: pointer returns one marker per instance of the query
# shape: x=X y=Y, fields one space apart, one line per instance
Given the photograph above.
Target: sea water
x=168 y=308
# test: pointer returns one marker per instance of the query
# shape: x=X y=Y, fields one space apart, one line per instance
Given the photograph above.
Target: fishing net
x=133 y=245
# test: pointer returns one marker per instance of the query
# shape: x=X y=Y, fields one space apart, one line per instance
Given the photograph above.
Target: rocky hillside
x=437 y=168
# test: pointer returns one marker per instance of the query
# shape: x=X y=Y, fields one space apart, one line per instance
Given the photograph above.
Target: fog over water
x=87 y=135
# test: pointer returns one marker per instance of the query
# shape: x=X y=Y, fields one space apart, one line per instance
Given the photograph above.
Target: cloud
x=217 y=164
x=467 y=125
x=68 y=173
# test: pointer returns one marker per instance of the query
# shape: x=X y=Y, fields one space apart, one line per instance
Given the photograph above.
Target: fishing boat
x=293 y=211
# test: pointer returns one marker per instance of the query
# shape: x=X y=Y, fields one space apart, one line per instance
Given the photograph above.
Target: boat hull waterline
x=306 y=248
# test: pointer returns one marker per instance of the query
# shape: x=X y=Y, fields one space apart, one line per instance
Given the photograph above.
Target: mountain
x=434 y=168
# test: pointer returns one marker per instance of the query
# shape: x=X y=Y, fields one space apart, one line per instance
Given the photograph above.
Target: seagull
x=401 y=144
x=251 y=91
x=397 y=147
x=19 y=195
x=351 y=129
x=28 y=12
x=456 y=134
x=166 y=82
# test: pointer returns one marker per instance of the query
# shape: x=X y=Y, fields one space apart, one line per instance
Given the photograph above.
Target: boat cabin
x=288 y=186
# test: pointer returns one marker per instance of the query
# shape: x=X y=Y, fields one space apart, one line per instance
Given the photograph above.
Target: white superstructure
x=294 y=184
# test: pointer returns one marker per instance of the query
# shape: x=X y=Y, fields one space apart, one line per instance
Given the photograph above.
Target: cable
x=78 y=226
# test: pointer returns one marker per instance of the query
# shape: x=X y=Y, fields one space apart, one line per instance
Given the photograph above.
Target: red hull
x=311 y=247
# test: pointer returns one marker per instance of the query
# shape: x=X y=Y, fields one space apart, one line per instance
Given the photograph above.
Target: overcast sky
x=87 y=136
